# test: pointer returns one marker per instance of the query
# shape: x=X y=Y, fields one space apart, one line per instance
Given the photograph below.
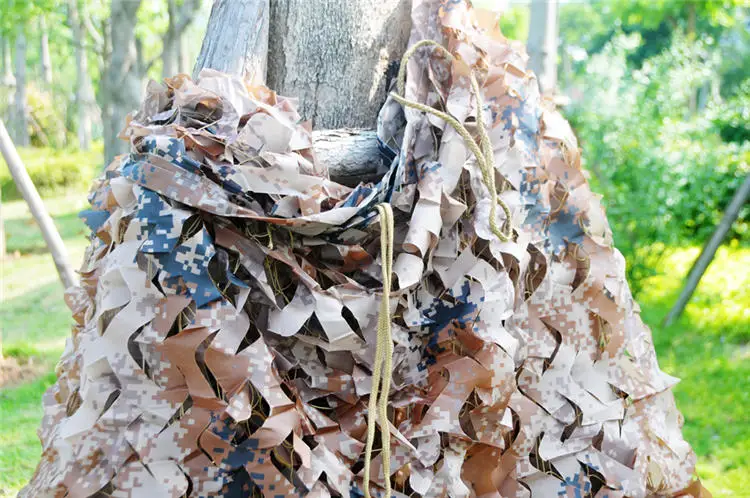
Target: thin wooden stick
x=707 y=255
x=36 y=206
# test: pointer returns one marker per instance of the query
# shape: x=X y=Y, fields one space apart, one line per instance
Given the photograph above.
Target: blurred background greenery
x=657 y=91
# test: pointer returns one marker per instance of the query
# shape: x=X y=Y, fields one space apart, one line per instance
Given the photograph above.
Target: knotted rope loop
x=483 y=152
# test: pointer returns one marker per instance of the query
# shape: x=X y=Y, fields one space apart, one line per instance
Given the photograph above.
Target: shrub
x=732 y=118
x=666 y=175
x=53 y=170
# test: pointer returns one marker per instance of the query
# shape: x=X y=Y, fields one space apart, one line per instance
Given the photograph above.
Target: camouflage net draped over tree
x=227 y=320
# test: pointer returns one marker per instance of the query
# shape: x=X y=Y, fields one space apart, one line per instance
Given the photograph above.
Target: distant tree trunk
x=170 y=54
x=121 y=78
x=2 y=240
x=44 y=50
x=8 y=80
x=21 y=126
x=84 y=95
x=542 y=44
x=180 y=18
x=185 y=56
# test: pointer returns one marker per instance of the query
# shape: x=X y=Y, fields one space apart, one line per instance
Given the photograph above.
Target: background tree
x=542 y=44
x=180 y=17
x=120 y=87
x=84 y=101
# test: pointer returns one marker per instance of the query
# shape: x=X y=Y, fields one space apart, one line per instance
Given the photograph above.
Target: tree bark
x=121 y=78
x=21 y=125
x=542 y=44
x=333 y=56
x=236 y=40
x=84 y=95
x=347 y=48
x=36 y=206
x=44 y=49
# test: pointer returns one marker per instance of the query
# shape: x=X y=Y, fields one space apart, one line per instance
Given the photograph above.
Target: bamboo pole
x=708 y=252
x=36 y=206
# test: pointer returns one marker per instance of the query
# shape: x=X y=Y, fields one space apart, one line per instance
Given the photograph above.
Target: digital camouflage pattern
x=226 y=318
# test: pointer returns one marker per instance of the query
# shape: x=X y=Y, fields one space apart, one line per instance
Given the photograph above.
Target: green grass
x=707 y=348
x=35 y=317
x=20 y=413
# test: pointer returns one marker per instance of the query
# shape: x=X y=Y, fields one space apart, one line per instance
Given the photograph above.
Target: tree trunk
x=185 y=56
x=121 y=78
x=236 y=39
x=542 y=44
x=8 y=80
x=21 y=126
x=84 y=95
x=44 y=49
x=2 y=235
x=333 y=56
x=36 y=206
x=179 y=19
x=170 y=53
x=339 y=49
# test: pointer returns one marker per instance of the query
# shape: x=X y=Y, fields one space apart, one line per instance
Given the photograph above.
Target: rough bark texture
x=542 y=44
x=236 y=39
x=121 y=82
x=333 y=56
x=84 y=95
x=20 y=118
x=352 y=155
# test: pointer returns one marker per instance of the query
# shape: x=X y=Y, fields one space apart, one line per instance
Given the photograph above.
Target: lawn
x=708 y=347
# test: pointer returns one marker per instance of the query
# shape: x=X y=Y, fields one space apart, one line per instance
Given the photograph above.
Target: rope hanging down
x=381 y=373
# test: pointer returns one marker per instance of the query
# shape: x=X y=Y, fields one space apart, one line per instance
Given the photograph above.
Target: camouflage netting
x=226 y=321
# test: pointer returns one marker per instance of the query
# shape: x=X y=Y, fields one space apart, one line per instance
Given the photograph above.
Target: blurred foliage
x=47 y=119
x=53 y=170
x=514 y=23
x=666 y=173
x=732 y=118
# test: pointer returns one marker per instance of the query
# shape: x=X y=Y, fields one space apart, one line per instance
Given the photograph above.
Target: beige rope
x=483 y=152
x=381 y=371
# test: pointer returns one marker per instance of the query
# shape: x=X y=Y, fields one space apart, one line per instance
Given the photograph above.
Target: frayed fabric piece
x=227 y=319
